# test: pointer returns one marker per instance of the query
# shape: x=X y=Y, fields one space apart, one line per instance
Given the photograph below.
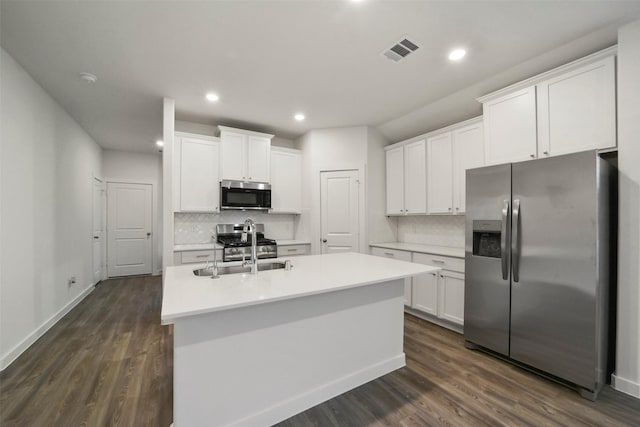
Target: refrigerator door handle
x=504 y=252
x=515 y=241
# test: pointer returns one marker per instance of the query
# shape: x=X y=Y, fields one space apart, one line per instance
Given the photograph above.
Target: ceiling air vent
x=401 y=49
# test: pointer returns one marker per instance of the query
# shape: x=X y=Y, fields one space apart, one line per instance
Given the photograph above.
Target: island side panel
x=262 y=364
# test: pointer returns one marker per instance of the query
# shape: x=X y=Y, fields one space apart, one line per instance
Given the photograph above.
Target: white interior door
x=98 y=229
x=339 y=195
x=129 y=225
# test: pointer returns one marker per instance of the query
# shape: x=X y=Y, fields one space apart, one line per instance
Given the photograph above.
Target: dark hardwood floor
x=109 y=362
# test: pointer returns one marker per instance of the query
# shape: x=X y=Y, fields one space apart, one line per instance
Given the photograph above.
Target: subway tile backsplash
x=190 y=228
x=437 y=230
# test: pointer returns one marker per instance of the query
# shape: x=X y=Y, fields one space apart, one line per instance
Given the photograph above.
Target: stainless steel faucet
x=250 y=227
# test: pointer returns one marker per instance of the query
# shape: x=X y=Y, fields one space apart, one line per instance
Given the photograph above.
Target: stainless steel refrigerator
x=537 y=265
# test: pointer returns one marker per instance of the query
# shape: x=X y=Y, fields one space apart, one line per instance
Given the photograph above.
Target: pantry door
x=339 y=210
x=129 y=225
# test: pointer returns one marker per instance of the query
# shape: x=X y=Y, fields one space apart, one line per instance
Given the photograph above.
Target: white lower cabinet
x=425 y=292
x=402 y=256
x=451 y=296
x=293 y=250
x=195 y=257
x=440 y=294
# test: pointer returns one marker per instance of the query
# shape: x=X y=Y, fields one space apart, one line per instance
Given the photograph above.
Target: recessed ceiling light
x=160 y=143
x=88 y=77
x=457 y=54
x=299 y=117
x=212 y=97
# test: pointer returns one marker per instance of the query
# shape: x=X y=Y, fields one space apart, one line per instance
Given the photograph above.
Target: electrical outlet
x=71 y=281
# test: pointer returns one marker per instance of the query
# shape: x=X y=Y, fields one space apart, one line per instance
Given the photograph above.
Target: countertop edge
x=449 y=251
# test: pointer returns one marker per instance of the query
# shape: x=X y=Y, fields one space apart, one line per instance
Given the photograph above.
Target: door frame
x=156 y=238
x=316 y=232
x=103 y=245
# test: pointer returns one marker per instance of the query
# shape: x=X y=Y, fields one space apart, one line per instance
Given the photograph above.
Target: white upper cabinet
x=468 y=153
x=426 y=176
x=244 y=155
x=510 y=127
x=196 y=174
x=395 y=180
x=440 y=174
x=258 y=158
x=565 y=110
x=577 y=110
x=286 y=180
x=415 y=179
x=233 y=155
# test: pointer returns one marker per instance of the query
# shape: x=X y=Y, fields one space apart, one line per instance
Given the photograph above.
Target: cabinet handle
x=437 y=261
x=292 y=250
x=202 y=256
x=533 y=156
x=389 y=254
x=545 y=152
x=434 y=274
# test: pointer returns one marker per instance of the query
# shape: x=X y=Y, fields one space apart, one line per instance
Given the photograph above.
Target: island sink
x=234 y=269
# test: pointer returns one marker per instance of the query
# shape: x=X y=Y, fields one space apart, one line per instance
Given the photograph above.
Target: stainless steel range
x=230 y=235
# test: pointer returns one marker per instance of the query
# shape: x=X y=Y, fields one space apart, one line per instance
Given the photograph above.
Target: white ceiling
x=270 y=59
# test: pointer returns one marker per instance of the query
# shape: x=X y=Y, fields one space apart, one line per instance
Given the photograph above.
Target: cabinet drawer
x=444 y=262
x=190 y=257
x=293 y=250
x=392 y=253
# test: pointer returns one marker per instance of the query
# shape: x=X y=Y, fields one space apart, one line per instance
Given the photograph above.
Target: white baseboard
x=284 y=410
x=430 y=318
x=626 y=386
x=17 y=350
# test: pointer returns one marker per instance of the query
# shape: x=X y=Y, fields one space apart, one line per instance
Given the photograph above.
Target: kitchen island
x=253 y=350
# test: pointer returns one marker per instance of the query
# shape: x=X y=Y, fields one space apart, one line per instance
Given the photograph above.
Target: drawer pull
x=389 y=254
x=437 y=261
x=203 y=256
x=292 y=250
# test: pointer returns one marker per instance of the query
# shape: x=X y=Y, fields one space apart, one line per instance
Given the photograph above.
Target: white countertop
x=196 y=247
x=425 y=249
x=292 y=242
x=185 y=294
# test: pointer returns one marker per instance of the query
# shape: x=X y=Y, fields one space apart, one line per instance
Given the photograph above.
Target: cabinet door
x=510 y=127
x=402 y=256
x=199 y=178
x=415 y=178
x=451 y=295
x=286 y=181
x=395 y=181
x=468 y=153
x=577 y=110
x=425 y=287
x=233 y=156
x=258 y=158
x=439 y=174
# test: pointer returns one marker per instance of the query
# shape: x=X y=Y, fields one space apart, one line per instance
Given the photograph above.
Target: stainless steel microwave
x=240 y=195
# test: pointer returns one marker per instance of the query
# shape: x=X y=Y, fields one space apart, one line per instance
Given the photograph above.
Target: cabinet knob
x=457 y=208
x=324 y=240
x=449 y=208
x=250 y=177
x=533 y=156
x=545 y=153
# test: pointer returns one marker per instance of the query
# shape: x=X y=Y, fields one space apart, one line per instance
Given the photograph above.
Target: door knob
x=324 y=240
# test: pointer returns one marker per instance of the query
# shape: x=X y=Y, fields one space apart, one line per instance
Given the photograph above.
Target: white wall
x=627 y=374
x=140 y=168
x=47 y=168
x=380 y=227
x=329 y=149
